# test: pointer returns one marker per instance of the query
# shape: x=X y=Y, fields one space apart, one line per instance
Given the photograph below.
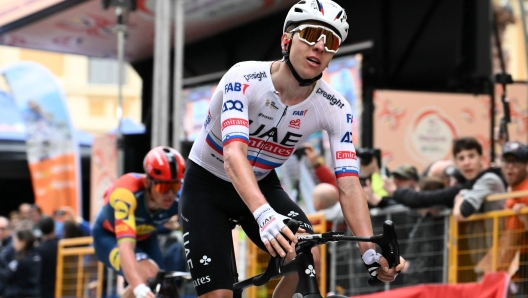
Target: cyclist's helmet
x=324 y=11
x=164 y=164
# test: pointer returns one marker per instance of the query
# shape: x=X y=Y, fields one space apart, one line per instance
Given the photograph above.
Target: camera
x=58 y=213
x=366 y=154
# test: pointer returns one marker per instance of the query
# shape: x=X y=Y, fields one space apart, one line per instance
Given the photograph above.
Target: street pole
x=179 y=41
x=121 y=31
x=160 y=86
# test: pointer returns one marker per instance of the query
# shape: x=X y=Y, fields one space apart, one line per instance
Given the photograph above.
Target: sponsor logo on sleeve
x=234 y=121
x=350 y=118
x=208 y=119
x=347 y=138
x=300 y=113
x=233 y=105
x=235 y=87
x=345 y=155
x=331 y=98
x=295 y=124
x=255 y=76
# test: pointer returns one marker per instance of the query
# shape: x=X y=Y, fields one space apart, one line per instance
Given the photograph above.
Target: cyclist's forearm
x=239 y=170
x=128 y=263
x=355 y=209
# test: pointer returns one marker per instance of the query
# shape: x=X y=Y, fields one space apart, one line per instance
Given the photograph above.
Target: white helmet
x=325 y=11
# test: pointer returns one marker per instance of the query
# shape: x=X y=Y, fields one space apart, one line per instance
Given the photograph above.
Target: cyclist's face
x=309 y=60
x=162 y=200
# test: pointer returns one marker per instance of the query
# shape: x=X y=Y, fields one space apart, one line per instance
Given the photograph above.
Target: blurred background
x=418 y=74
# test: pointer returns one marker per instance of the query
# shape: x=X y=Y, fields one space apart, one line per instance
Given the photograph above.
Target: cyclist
x=136 y=205
x=257 y=117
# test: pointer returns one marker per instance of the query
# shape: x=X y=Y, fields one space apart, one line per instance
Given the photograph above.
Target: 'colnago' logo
x=255 y=76
x=331 y=98
x=234 y=121
x=345 y=155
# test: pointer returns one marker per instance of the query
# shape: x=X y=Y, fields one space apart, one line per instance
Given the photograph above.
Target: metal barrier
x=422 y=238
x=491 y=242
x=258 y=260
x=79 y=273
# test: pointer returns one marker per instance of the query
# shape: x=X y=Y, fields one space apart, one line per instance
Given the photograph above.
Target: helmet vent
x=298 y=10
x=302 y=2
x=157 y=172
x=166 y=150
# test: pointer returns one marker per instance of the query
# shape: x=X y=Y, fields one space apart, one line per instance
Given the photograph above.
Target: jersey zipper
x=278 y=122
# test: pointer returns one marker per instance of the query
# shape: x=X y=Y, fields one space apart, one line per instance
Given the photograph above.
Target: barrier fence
x=79 y=274
x=491 y=242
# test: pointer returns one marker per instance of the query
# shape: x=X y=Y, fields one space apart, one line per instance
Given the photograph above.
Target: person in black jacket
x=22 y=275
x=480 y=183
x=48 y=253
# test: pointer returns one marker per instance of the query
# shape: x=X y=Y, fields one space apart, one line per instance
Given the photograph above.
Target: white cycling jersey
x=246 y=108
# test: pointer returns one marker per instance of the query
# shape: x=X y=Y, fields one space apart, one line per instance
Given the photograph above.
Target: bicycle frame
x=303 y=263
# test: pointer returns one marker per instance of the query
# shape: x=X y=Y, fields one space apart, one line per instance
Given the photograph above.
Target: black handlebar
x=387 y=241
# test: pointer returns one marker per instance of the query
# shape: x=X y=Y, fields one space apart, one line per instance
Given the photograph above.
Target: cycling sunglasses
x=164 y=187
x=311 y=34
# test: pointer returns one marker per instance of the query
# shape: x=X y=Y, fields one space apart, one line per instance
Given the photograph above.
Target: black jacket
x=445 y=197
x=22 y=276
x=48 y=253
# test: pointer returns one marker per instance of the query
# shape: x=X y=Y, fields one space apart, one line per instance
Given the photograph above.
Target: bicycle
x=303 y=263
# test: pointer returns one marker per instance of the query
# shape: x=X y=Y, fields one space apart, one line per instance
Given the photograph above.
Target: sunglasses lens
x=163 y=187
x=312 y=35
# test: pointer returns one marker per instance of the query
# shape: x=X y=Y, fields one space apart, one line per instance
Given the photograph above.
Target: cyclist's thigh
x=206 y=232
x=280 y=202
x=107 y=251
x=150 y=247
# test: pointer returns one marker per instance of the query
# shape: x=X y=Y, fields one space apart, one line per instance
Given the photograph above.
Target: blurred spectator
x=69 y=225
x=480 y=183
x=370 y=170
x=14 y=217
x=514 y=167
x=323 y=173
x=25 y=211
x=48 y=253
x=35 y=213
x=22 y=275
x=6 y=240
x=325 y=200
x=406 y=175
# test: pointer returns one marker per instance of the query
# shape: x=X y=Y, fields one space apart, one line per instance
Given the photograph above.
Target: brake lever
x=390 y=249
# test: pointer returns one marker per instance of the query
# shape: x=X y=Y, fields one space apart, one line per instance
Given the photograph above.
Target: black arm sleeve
x=466 y=209
x=423 y=199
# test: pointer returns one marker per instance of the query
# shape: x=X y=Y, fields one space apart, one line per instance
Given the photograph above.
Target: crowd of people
x=461 y=185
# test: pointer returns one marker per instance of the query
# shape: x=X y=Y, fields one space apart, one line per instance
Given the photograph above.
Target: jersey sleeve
x=124 y=204
x=235 y=103
x=343 y=150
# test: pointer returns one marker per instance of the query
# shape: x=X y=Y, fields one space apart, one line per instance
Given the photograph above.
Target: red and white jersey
x=246 y=108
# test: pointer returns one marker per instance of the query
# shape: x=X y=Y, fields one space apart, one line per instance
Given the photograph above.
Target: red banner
x=494 y=285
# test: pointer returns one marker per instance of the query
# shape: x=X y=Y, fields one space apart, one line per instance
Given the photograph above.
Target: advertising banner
x=12 y=125
x=103 y=170
x=52 y=150
x=418 y=128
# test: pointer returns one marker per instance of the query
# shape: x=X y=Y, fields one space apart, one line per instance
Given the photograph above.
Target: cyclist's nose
x=319 y=45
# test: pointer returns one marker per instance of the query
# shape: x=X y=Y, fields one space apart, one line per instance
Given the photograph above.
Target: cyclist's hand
x=143 y=291
x=378 y=266
x=270 y=225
